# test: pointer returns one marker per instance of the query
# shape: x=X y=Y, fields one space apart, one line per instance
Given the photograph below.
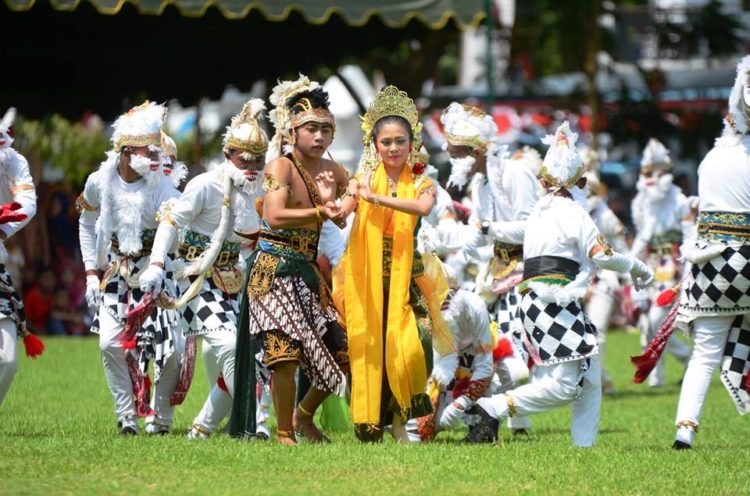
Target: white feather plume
x=562 y=161
x=656 y=154
x=736 y=105
x=8 y=119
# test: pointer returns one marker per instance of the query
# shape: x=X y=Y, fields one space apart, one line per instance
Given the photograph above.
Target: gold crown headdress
x=390 y=101
x=284 y=120
x=139 y=126
x=168 y=146
x=245 y=133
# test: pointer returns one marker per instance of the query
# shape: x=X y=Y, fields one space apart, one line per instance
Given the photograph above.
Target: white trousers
x=118 y=377
x=675 y=346
x=218 y=358
x=8 y=355
x=710 y=338
x=599 y=310
x=556 y=386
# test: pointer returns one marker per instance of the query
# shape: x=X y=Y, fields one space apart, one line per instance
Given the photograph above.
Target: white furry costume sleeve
x=479 y=320
x=87 y=221
x=521 y=187
x=178 y=215
x=22 y=189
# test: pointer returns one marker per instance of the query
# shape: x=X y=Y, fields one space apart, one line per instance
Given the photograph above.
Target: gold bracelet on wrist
x=376 y=201
x=317 y=213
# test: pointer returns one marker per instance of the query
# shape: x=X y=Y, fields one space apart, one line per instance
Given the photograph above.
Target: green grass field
x=58 y=435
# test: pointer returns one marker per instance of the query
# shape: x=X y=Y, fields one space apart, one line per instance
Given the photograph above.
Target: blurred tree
x=76 y=148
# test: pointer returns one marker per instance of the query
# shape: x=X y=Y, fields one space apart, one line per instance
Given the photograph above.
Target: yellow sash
x=363 y=294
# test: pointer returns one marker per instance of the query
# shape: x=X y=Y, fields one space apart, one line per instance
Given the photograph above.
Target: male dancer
x=214 y=218
x=714 y=303
x=117 y=225
x=289 y=307
x=18 y=197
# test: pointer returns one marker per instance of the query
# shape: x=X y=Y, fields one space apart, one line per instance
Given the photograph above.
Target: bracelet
x=376 y=201
x=317 y=213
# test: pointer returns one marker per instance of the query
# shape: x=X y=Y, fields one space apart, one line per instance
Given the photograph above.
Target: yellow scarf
x=363 y=294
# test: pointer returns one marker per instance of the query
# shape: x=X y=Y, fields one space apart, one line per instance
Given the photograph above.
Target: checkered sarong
x=506 y=310
x=556 y=334
x=153 y=340
x=11 y=304
x=211 y=310
x=735 y=365
x=718 y=287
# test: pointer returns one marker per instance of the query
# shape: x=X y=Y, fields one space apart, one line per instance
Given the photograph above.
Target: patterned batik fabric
x=718 y=287
x=290 y=307
x=211 y=310
x=154 y=339
x=735 y=365
x=556 y=334
x=11 y=304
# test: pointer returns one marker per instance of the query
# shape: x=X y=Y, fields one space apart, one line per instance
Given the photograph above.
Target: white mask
x=241 y=181
x=460 y=169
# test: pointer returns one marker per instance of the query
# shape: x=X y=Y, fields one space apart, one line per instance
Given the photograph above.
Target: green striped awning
x=394 y=13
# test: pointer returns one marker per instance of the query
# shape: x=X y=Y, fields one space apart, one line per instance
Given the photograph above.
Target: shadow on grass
x=641 y=392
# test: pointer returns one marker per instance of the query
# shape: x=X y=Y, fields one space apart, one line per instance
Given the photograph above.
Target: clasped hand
x=334 y=213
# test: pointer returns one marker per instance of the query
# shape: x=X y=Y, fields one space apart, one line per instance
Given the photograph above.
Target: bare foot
x=286 y=438
x=304 y=426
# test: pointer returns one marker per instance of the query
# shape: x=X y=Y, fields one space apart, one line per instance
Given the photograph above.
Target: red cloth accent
x=135 y=319
x=141 y=387
x=646 y=362
x=462 y=211
x=34 y=345
x=222 y=384
x=666 y=296
x=503 y=349
x=8 y=213
x=187 y=367
x=38 y=307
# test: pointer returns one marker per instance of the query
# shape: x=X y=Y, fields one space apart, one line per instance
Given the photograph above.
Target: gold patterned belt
x=147 y=240
x=224 y=259
x=507 y=252
x=724 y=226
x=296 y=247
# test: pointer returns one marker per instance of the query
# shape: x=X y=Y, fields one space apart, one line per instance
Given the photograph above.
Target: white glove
x=642 y=275
x=93 y=293
x=454 y=414
x=152 y=279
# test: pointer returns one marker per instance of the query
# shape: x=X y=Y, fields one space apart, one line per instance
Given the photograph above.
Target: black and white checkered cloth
x=720 y=286
x=154 y=340
x=11 y=304
x=211 y=310
x=505 y=310
x=735 y=365
x=556 y=334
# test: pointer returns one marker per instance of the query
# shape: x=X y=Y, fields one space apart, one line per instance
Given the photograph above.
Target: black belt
x=548 y=265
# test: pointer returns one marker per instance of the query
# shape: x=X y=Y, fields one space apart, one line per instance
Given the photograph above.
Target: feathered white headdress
x=655 y=156
x=737 y=108
x=562 y=166
x=465 y=125
x=139 y=126
x=5 y=138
